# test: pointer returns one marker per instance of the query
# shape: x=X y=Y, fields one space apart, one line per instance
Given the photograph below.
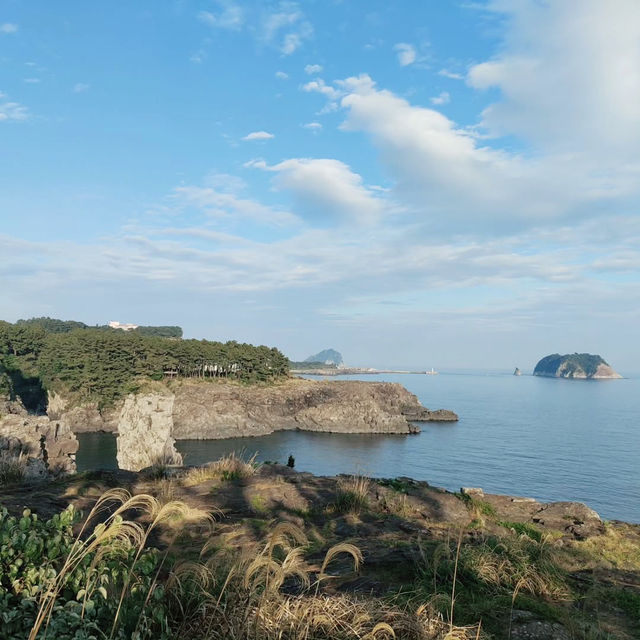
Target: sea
x=550 y=439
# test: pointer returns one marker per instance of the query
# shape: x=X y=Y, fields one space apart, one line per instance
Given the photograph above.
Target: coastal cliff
x=204 y=410
x=227 y=410
x=583 y=366
x=149 y=423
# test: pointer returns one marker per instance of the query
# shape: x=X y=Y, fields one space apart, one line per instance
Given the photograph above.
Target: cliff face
x=148 y=423
x=144 y=432
x=212 y=411
x=83 y=418
x=577 y=365
x=47 y=446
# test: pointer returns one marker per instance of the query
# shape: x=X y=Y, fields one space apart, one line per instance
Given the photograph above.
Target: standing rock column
x=144 y=432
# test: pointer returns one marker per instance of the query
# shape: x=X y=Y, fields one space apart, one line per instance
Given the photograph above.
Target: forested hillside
x=54 y=325
x=102 y=365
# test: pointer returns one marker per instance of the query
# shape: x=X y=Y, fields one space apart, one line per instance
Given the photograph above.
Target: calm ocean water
x=539 y=437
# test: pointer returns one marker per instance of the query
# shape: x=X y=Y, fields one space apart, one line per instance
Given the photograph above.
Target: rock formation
x=577 y=365
x=45 y=447
x=144 y=432
x=225 y=410
x=83 y=418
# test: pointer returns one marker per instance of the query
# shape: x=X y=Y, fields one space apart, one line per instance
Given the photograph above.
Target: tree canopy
x=94 y=364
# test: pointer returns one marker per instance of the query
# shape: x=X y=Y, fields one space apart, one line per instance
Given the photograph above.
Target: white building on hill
x=121 y=325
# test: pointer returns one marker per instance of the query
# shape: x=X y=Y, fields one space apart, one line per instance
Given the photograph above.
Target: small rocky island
x=582 y=366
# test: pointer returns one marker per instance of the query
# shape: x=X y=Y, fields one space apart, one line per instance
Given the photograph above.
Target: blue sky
x=446 y=184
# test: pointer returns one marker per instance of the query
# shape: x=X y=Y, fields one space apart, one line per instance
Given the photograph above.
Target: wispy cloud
x=8 y=27
x=312 y=126
x=312 y=69
x=406 y=53
x=12 y=111
x=281 y=75
x=259 y=135
x=441 y=98
x=445 y=73
x=286 y=27
x=230 y=16
x=81 y=87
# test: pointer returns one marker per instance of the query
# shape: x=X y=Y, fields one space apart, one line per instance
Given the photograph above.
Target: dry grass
x=352 y=494
x=271 y=593
x=618 y=548
x=12 y=467
x=113 y=534
x=230 y=467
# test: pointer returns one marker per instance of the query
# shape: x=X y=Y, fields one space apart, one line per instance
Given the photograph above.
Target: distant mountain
x=574 y=365
x=328 y=356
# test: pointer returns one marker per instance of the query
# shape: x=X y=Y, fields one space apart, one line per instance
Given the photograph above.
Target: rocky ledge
x=202 y=410
x=227 y=410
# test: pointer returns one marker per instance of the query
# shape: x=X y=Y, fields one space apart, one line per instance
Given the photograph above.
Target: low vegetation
x=352 y=495
x=287 y=556
x=229 y=467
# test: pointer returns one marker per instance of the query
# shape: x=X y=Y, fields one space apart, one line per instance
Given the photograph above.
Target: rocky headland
x=150 y=421
x=582 y=366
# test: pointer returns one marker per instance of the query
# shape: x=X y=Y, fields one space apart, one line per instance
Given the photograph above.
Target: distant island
x=327 y=356
x=583 y=366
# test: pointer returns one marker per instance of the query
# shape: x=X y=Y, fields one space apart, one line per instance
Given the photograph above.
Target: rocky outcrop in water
x=145 y=432
x=584 y=366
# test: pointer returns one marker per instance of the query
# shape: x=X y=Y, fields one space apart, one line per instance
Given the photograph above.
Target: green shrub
x=34 y=557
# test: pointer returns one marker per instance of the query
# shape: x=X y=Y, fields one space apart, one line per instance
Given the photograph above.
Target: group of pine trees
x=103 y=364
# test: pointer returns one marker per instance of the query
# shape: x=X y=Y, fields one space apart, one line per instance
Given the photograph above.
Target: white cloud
x=8 y=27
x=406 y=53
x=312 y=126
x=319 y=86
x=259 y=135
x=456 y=184
x=222 y=201
x=80 y=87
x=312 y=69
x=576 y=87
x=327 y=187
x=445 y=73
x=230 y=16
x=281 y=75
x=32 y=80
x=286 y=28
x=441 y=98
x=12 y=111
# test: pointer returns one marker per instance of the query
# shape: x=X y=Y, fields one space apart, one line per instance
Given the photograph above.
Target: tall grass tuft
x=121 y=541
x=352 y=494
x=229 y=467
x=12 y=467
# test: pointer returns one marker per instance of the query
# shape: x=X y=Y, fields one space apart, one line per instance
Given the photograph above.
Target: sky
x=415 y=184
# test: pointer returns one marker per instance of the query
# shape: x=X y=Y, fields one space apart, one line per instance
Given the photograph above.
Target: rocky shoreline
x=149 y=422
